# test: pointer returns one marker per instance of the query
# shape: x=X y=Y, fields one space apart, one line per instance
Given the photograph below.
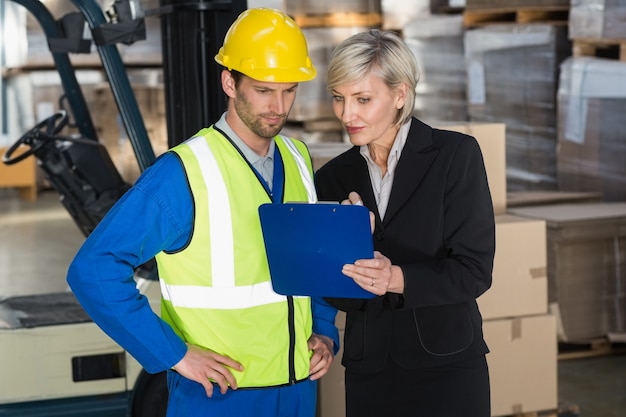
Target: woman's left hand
x=376 y=275
x=355 y=199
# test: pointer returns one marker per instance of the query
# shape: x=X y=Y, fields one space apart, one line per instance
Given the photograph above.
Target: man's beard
x=255 y=122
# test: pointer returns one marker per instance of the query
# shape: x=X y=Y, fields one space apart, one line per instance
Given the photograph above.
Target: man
x=232 y=347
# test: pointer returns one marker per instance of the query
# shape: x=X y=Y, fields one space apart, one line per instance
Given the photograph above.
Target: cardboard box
x=522 y=368
x=492 y=140
x=22 y=175
x=522 y=364
x=520 y=282
x=586 y=245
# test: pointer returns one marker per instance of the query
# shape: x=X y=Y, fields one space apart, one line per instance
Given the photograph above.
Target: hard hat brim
x=276 y=75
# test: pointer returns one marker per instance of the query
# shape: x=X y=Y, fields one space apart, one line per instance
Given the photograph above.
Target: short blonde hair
x=381 y=53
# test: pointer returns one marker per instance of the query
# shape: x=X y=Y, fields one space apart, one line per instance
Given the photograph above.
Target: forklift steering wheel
x=37 y=137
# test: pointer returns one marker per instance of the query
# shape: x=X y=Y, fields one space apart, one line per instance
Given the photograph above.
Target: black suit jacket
x=439 y=228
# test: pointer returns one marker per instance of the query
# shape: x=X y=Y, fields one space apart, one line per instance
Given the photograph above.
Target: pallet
x=340 y=19
x=589 y=348
x=600 y=48
x=21 y=176
x=565 y=409
x=556 y=15
x=545 y=413
x=448 y=10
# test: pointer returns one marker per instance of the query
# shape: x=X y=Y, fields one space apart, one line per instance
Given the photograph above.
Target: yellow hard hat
x=267 y=45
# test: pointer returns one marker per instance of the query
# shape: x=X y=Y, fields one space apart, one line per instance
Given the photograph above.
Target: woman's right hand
x=377 y=275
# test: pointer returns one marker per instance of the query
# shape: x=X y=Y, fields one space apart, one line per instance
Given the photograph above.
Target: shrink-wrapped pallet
x=597 y=19
x=512 y=78
x=591 y=144
x=437 y=43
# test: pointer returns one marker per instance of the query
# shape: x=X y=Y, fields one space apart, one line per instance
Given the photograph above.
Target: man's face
x=262 y=107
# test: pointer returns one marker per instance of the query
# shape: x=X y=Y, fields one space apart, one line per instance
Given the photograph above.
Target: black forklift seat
x=79 y=169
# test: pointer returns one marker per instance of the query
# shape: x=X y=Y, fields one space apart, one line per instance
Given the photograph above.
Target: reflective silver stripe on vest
x=193 y=296
x=303 y=168
x=220 y=222
x=224 y=294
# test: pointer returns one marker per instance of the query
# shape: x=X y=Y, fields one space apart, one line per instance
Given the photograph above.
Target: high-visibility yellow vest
x=216 y=292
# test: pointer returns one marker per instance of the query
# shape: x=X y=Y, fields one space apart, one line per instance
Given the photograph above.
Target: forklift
x=54 y=361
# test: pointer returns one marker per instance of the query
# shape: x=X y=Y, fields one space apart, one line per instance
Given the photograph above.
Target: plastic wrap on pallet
x=313 y=101
x=272 y=4
x=14 y=22
x=512 y=75
x=437 y=43
x=397 y=13
x=486 y=4
x=591 y=144
x=304 y=7
x=597 y=19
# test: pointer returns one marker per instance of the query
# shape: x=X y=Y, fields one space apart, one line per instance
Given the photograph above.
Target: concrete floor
x=39 y=239
x=595 y=384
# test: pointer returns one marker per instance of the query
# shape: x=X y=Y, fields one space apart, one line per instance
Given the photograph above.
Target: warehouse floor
x=596 y=385
x=39 y=239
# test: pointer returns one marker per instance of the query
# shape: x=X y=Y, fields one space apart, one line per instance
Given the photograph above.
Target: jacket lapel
x=415 y=160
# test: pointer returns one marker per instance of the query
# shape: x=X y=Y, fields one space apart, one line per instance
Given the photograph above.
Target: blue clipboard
x=308 y=244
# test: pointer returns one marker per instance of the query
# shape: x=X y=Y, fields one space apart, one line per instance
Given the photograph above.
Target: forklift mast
x=89 y=184
x=84 y=175
x=192 y=31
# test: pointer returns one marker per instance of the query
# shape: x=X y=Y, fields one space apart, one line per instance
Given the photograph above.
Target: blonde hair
x=381 y=53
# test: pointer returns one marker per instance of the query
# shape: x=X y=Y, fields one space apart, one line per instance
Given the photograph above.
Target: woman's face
x=367 y=109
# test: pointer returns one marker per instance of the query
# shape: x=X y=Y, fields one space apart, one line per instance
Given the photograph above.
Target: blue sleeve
x=150 y=217
x=324 y=320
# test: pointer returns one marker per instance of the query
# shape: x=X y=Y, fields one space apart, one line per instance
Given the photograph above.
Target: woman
x=417 y=349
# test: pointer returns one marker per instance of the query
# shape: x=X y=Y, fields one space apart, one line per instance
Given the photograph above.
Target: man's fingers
x=322 y=357
x=230 y=362
x=208 y=387
x=205 y=366
x=223 y=382
x=222 y=374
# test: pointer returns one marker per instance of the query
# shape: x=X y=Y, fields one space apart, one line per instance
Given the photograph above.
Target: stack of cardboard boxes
x=518 y=328
x=519 y=331
x=586 y=264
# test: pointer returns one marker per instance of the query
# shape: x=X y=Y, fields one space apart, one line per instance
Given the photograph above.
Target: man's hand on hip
x=322 y=358
x=204 y=366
